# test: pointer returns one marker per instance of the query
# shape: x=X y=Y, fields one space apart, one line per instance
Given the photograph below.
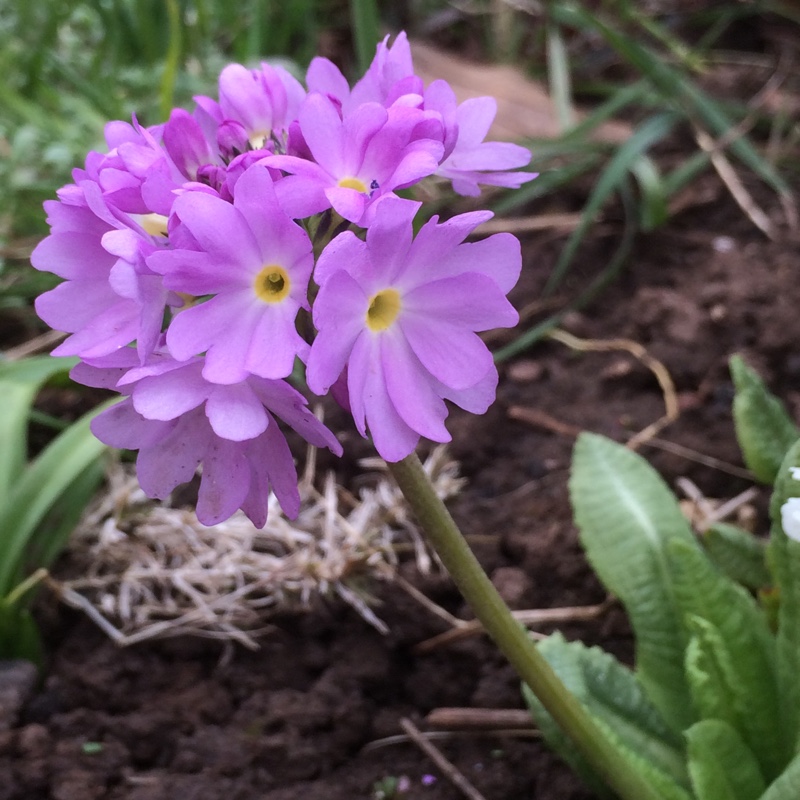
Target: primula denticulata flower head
x=199 y=270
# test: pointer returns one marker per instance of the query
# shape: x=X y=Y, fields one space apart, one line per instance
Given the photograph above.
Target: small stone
x=17 y=681
x=525 y=371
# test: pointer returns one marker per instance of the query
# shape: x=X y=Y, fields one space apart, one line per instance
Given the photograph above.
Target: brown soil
x=195 y=720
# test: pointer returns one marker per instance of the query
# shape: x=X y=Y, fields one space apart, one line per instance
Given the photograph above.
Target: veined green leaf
x=704 y=593
x=617 y=702
x=784 y=559
x=710 y=673
x=720 y=763
x=763 y=427
x=739 y=554
x=627 y=516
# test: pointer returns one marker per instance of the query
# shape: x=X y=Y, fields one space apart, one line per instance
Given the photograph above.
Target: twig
x=538 y=616
x=734 y=185
x=541 y=419
x=479 y=719
x=700 y=458
x=672 y=408
x=449 y=769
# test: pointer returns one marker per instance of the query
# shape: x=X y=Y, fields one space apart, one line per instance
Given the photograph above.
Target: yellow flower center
x=154 y=224
x=353 y=183
x=383 y=309
x=272 y=284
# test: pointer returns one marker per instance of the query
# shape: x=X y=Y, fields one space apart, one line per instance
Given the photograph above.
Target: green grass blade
x=42 y=483
x=649 y=133
x=366 y=30
x=20 y=381
x=558 y=75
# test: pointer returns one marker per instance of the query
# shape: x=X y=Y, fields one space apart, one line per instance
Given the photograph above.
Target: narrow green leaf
x=39 y=487
x=704 y=593
x=19 y=636
x=20 y=381
x=558 y=74
x=721 y=765
x=739 y=554
x=653 y=210
x=365 y=20
x=617 y=702
x=763 y=427
x=784 y=558
x=627 y=515
x=649 y=132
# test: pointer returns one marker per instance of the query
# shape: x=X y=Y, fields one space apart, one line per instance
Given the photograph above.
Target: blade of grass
x=173 y=59
x=609 y=274
x=649 y=133
x=20 y=382
x=366 y=30
x=39 y=487
x=673 y=85
x=558 y=76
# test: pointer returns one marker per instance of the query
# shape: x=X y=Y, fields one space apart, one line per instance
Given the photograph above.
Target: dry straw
x=148 y=570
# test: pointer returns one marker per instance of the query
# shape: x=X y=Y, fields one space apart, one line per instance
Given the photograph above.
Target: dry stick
x=538 y=616
x=700 y=458
x=672 y=408
x=479 y=719
x=735 y=186
x=449 y=769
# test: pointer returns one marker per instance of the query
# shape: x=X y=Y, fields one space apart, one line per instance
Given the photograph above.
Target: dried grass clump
x=152 y=571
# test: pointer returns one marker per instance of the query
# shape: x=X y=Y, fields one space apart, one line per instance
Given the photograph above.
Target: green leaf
x=19 y=635
x=763 y=427
x=20 y=382
x=627 y=516
x=720 y=763
x=746 y=649
x=41 y=485
x=739 y=554
x=787 y=785
x=710 y=672
x=784 y=558
x=649 y=133
x=617 y=702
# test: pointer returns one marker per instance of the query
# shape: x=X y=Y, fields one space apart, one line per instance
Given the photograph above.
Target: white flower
x=795 y=472
x=790 y=516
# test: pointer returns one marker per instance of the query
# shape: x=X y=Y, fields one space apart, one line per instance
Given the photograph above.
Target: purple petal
x=456 y=357
x=218 y=227
x=346 y=252
x=409 y=388
x=72 y=255
x=235 y=412
x=120 y=426
x=499 y=257
x=171 y=394
x=339 y=313
x=470 y=300
x=225 y=482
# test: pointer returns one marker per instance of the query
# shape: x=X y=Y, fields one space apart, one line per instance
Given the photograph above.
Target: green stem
x=512 y=638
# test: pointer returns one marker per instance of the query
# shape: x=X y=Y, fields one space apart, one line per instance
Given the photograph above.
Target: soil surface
x=304 y=716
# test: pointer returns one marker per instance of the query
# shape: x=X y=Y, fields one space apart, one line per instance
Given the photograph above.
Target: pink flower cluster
x=200 y=264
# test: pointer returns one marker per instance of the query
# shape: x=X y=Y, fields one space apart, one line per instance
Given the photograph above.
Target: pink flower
x=356 y=159
x=256 y=263
x=109 y=297
x=402 y=316
x=178 y=421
